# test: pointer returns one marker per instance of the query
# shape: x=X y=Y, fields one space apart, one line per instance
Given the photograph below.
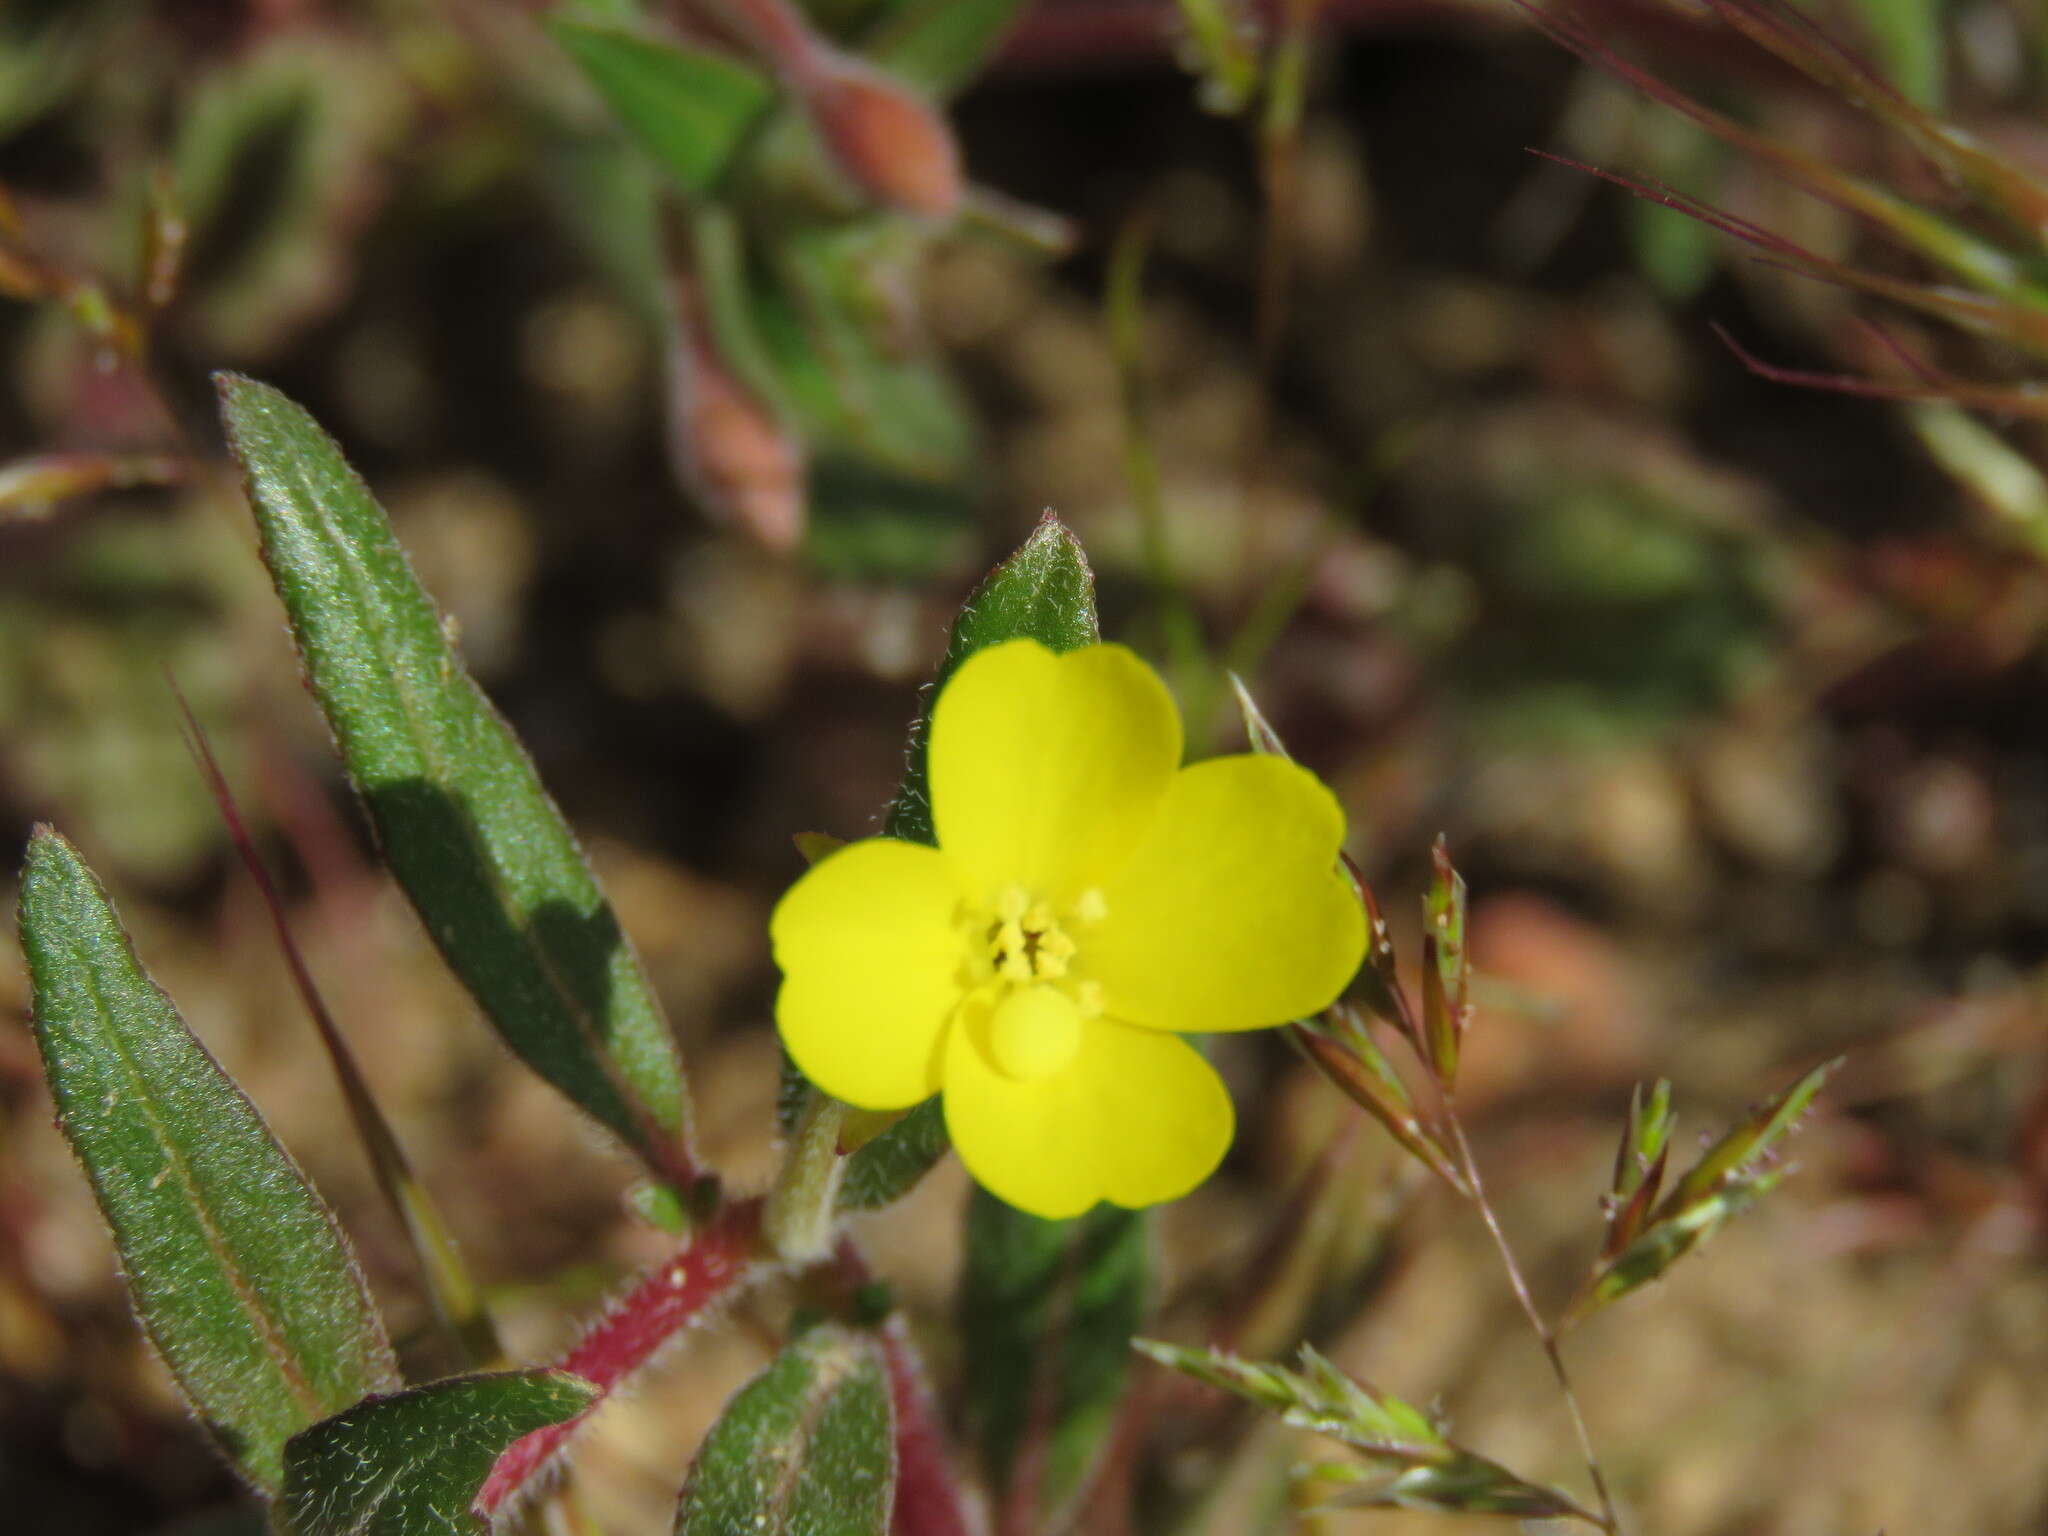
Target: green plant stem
x=1610 y=1520
x=799 y=1220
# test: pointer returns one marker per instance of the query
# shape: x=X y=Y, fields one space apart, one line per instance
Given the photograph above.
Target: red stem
x=716 y=1262
x=928 y=1497
x=928 y=1501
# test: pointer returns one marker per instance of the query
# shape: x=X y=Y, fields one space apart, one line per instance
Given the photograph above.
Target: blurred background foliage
x=701 y=383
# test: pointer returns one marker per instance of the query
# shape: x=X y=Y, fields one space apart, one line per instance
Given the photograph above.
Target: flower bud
x=729 y=450
x=890 y=143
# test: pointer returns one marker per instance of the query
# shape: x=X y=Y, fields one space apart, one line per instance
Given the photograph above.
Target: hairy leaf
x=464 y=823
x=238 y=1271
x=1048 y=1309
x=886 y=1168
x=411 y=1464
x=805 y=1449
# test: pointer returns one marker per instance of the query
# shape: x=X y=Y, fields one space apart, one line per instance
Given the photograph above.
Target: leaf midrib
x=269 y=1331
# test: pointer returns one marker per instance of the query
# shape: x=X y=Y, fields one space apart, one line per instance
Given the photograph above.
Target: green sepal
x=464 y=824
x=888 y=1167
x=238 y=1272
x=805 y=1449
x=411 y=1464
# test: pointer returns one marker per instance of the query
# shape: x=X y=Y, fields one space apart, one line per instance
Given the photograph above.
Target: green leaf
x=238 y=1272
x=805 y=1449
x=1048 y=1309
x=689 y=108
x=464 y=823
x=888 y=1167
x=939 y=45
x=411 y=1465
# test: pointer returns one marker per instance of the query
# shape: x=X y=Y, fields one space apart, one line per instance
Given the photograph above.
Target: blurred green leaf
x=807 y=1448
x=44 y=50
x=857 y=372
x=411 y=1464
x=609 y=199
x=815 y=332
x=277 y=160
x=463 y=821
x=1406 y=1459
x=1221 y=43
x=939 y=45
x=238 y=1272
x=691 y=109
x=2003 y=479
x=1912 y=46
x=1677 y=253
x=888 y=1167
x=1048 y=1309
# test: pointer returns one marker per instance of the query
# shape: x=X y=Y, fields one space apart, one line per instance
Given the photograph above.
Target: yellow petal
x=870 y=963
x=1137 y=1117
x=1232 y=915
x=1046 y=770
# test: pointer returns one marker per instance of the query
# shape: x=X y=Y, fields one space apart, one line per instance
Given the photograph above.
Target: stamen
x=1090 y=907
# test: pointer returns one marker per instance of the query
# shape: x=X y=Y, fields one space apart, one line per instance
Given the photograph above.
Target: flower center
x=1026 y=942
x=1034 y=1032
x=1021 y=970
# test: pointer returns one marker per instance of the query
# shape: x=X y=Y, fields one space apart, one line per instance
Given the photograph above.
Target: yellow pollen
x=1089 y=907
x=1033 y=1033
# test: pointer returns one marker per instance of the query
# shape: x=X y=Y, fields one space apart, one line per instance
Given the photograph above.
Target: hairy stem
x=1610 y=1520
x=719 y=1259
x=799 y=1219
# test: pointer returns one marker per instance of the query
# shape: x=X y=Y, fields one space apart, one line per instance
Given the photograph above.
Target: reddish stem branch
x=928 y=1501
x=713 y=1265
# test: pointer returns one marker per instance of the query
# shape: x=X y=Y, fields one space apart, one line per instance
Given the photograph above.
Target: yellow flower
x=1088 y=897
